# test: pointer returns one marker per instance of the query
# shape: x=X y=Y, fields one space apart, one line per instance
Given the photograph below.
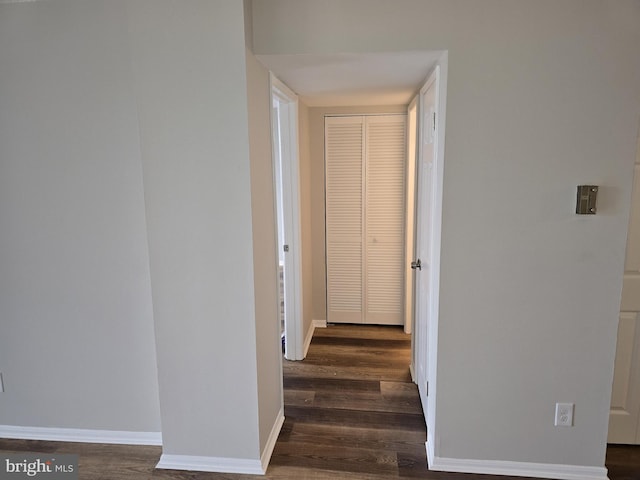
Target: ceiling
x=353 y=78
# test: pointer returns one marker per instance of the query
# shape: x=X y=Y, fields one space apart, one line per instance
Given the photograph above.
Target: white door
x=344 y=160
x=426 y=265
x=385 y=159
x=279 y=195
x=424 y=234
x=624 y=418
x=365 y=205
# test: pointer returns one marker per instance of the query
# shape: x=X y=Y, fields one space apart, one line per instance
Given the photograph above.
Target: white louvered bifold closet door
x=365 y=175
x=384 y=219
x=344 y=153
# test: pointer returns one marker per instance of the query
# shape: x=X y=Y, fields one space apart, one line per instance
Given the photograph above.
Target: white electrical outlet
x=564 y=415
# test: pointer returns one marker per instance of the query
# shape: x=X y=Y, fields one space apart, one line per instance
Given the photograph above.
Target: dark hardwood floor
x=351 y=411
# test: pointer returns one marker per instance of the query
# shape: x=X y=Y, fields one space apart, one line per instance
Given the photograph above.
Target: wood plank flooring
x=351 y=411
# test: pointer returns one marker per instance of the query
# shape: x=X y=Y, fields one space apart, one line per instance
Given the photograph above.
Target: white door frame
x=410 y=217
x=426 y=328
x=291 y=212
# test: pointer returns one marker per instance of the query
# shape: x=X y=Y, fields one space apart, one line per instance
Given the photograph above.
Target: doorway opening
x=321 y=91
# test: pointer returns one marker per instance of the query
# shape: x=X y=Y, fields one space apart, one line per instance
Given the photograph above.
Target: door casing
x=288 y=131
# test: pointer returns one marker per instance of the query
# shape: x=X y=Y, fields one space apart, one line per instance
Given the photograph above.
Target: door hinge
x=427 y=388
x=285 y=248
x=434 y=121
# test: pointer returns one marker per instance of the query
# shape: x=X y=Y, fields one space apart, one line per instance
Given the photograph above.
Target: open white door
x=287 y=184
x=423 y=261
x=426 y=265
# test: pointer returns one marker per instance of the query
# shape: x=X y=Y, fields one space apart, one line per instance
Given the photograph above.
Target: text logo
x=38 y=466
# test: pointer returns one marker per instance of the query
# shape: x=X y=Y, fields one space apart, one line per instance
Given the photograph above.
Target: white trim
x=285 y=92
x=518 y=469
x=319 y=323
x=410 y=220
x=361 y=114
x=271 y=441
x=294 y=344
x=80 y=435
x=431 y=455
x=210 y=464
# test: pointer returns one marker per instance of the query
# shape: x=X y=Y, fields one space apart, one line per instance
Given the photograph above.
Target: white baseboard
x=517 y=469
x=210 y=464
x=430 y=451
x=80 y=435
x=271 y=442
x=226 y=465
x=319 y=323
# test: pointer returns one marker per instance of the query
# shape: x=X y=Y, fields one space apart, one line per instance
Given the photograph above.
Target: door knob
x=416 y=265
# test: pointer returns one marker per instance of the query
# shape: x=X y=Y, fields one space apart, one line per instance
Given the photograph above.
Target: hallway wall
x=306 y=217
x=194 y=129
x=268 y=354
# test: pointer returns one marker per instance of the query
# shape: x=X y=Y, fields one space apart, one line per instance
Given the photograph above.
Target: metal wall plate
x=586 y=201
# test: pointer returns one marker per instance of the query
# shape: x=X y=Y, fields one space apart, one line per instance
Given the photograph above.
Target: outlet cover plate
x=564 y=415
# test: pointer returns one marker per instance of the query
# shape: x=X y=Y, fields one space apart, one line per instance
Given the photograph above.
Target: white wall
x=265 y=259
x=542 y=96
x=76 y=326
x=190 y=76
x=306 y=218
